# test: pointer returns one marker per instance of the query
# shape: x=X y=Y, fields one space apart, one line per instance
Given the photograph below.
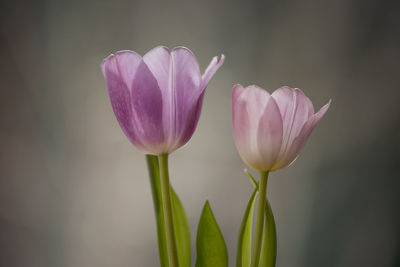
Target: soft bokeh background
x=75 y=193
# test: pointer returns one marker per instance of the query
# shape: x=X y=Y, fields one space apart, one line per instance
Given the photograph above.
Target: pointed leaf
x=210 y=244
x=253 y=181
x=243 y=254
x=182 y=230
x=268 y=252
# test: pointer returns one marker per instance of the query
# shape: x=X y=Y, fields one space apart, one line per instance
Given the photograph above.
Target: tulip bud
x=157 y=98
x=271 y=130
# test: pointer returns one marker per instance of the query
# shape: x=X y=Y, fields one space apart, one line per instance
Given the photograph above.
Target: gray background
x=74 y=192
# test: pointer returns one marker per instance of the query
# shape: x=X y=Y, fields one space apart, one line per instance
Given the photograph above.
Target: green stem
x=167 y=208
x=258 y=232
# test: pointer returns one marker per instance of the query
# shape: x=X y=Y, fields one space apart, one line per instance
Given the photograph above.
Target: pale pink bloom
x=271 y=130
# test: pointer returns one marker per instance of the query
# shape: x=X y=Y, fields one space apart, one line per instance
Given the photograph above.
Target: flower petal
x=184 y=92
x=191 y=123
x=246 y=113
x=301 y=139
x=158 y=60
x=119 y=92
x=238 y=89
x=147 y=106
x=212 y=68
x=295 y=109
x=269 y=135
x=178 y=76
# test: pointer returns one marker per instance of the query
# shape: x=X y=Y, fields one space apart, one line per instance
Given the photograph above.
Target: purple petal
x=178 y=76
x=119 y=92
x=185 y=83
x=301 y=139
x=192 y=120
x=158 y=60
x=136 y=99
x=147 y=106
x=212 y=68
x=184 y=92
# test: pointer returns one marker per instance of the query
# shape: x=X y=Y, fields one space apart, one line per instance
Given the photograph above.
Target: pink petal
x=212 y=68
x=295 y=109
x=242 y=131
x=238 y=89
x=269 y=136
x=302 y=138
x=247 y=111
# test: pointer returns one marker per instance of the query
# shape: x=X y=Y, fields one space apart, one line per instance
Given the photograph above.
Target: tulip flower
x=270 y=130
x=157 y=98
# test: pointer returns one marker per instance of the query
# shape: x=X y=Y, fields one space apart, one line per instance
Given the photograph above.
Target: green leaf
x=268 y=252
x=253 y=181
x=181 y=223
x=210 y=245
x=182 y=231
x=243 y=254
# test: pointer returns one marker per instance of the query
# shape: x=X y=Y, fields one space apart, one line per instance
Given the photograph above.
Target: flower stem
x=167 y=208
x=258 y=232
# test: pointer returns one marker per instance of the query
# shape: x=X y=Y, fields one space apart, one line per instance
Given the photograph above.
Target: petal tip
x=221 y=60
x=153 y=50
x=326 y=106
x=104 y=62
x=181 y=47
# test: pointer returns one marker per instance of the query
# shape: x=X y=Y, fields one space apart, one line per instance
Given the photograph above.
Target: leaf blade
x=210 y=244
x=268 y=251
x=243 y=254
x=182 y=231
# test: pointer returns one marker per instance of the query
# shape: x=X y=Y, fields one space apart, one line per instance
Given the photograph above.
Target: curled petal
x=295 y=109
x=301 y=139
x=212 y=68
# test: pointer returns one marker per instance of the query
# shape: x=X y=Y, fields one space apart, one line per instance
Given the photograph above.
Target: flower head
x=157 y=98
x=271 y=130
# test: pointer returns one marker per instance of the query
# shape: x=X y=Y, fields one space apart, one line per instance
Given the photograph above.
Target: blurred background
x=75 y=193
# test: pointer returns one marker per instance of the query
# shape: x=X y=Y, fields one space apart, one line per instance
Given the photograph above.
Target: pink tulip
x=271 y=130
x=157 y=98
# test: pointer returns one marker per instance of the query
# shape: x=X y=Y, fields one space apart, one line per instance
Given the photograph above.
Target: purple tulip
x=157 y=98
x=271 y=130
